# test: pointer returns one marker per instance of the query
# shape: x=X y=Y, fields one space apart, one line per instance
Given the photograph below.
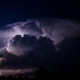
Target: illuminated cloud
x=19 y=45
x=37 y=45
x=55 y=29
x=27 y=50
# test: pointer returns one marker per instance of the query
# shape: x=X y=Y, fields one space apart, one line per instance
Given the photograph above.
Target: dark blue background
x=20 y=10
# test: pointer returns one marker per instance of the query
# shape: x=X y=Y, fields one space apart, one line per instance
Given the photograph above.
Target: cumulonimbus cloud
x=19 y=45
x=28 y=48
x=55 y=29
x=39 y=37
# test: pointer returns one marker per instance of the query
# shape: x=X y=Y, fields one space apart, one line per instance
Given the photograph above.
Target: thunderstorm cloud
x=55 y=29
x=36 y=39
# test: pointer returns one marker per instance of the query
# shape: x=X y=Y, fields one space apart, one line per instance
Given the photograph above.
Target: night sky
x=38 y=33
x=13 y=11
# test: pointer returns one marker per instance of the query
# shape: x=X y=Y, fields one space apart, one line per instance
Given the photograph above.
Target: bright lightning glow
x=8 y=47
x=17 y=31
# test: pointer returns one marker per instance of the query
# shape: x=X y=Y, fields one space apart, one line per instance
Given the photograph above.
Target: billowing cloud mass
x=34 y=42
x=55 y=29
x=28 y=50
x=12 y=35
x=20 y=45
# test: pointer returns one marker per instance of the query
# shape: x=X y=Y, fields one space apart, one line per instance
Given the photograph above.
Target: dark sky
x=59 y=29
x=19 y=10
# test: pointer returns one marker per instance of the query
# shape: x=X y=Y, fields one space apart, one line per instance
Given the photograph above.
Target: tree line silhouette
x=43 y=73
